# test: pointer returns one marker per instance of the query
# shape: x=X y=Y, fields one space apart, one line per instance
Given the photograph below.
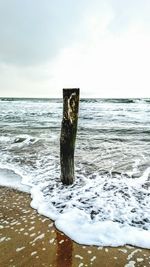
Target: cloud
x=110 y=64
x=33 y=31
x=121 y=69
x=33 y=81
x=100 y=46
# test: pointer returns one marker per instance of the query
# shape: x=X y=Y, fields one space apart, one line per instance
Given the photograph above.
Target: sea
x=109 y=202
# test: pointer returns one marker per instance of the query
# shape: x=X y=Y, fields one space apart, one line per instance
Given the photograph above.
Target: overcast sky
x=100 y=46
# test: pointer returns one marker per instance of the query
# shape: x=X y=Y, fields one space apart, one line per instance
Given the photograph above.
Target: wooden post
x=68 y=134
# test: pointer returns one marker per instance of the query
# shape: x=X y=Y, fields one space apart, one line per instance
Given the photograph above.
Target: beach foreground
x=29 y=239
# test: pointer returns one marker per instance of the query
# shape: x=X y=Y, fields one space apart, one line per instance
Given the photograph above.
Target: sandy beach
x=29 y=239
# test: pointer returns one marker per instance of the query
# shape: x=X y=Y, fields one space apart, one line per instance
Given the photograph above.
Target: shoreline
x=30 y=239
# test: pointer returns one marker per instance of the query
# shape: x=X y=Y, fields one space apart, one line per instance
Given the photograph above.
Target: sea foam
x=10 y=179
x=92 y=211
x=97 y=212
x=108 y=204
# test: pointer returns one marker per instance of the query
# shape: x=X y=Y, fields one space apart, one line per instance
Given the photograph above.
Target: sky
x=99 y=46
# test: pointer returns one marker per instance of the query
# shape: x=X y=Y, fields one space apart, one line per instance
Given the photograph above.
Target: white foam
x=19 y=249
x=71 y=207
x=100 y=208
x=5 y=139
x=76 y=223
x=10 y=179
x=78 y=227
x=130 y=264
x=39 y=237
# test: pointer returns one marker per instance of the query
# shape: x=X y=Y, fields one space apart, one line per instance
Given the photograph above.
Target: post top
x=73 y=89
x=70 y=91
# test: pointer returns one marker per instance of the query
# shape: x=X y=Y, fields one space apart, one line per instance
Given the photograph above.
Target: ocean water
x=109 y=203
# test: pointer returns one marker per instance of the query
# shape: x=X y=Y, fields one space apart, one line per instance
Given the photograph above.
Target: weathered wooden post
x=68 y=134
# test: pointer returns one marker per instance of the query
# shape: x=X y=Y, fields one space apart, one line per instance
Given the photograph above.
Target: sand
x=28 y=239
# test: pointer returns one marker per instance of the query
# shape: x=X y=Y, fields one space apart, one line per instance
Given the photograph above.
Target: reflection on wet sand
x=64 y=250
x=29 y=239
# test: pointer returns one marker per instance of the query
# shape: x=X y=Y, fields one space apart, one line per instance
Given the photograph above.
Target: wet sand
x=28 y=239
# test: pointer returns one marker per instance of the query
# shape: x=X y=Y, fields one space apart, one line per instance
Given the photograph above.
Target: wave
x=104 y=209
x=10 y=178
x=109 y=202
x=100 y=210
